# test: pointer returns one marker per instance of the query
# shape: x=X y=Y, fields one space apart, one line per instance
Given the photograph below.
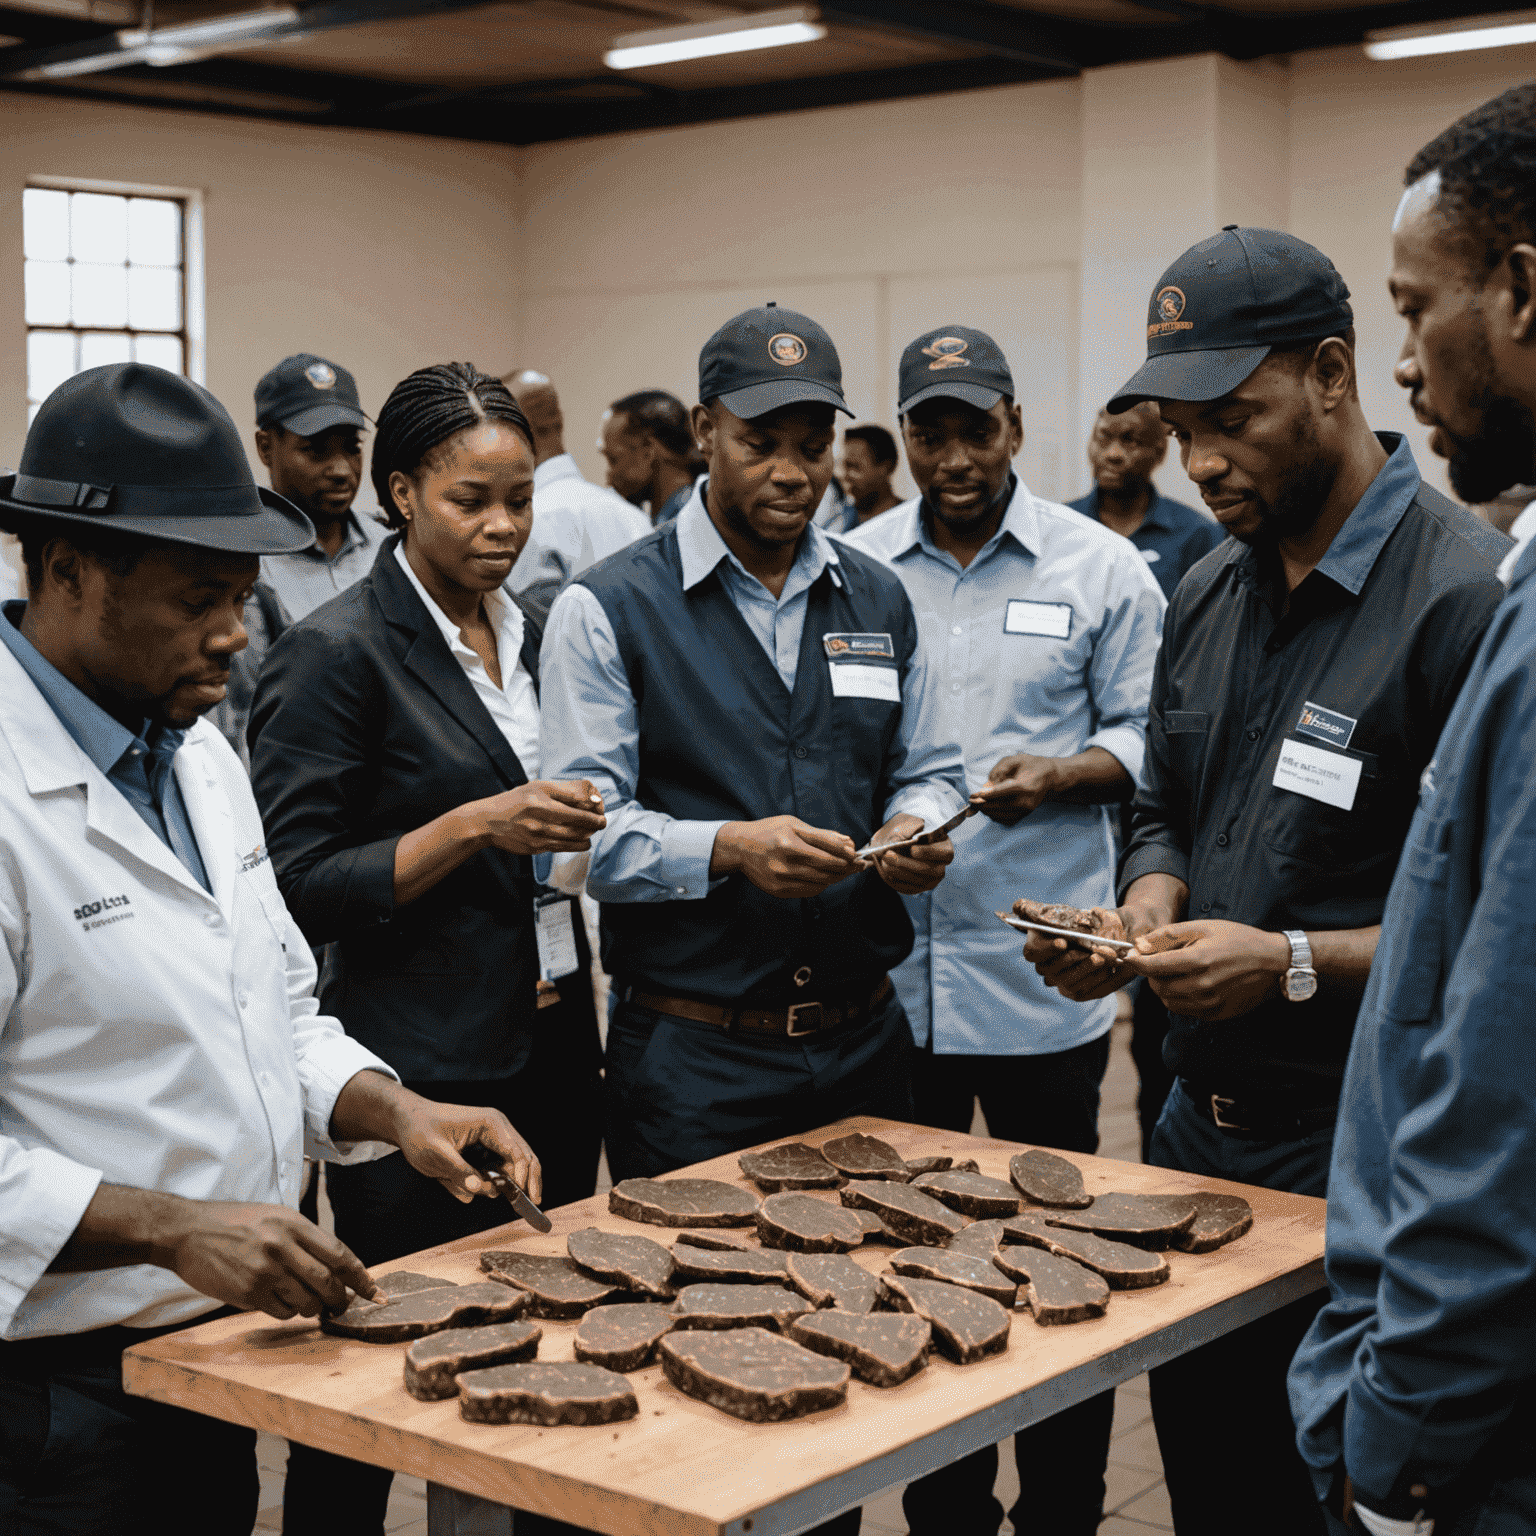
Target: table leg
x=451 y=1513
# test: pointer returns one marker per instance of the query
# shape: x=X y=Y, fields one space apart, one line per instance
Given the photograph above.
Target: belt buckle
x=795 y=1010
x=1220 y=1103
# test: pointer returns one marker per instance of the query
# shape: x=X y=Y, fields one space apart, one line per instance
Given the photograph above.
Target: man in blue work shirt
x=1044 y=631
x=1306 y=670
x=755 y=705
x=1123 y=453
x=1415 y=1390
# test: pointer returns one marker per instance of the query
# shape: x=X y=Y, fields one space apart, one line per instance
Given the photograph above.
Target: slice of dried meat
x=718 y=1239
x=553 y=1392
x=1126 y=1268
x=623 y=1337
x=972 y=1194
x=967 y=1326
x=624 y=1259
x=401 y=1282
x=432 y=1363
x=972 y=1271
x=833 y=1280
x=884 y=1348
x=736 y=1306
x=1043 y=1178
x=908 y=1212
x=1055 y=1289
x=866 y=1157
x=415 y=1315
x=917 y=1165
x=748 y=1266
x=876 y=1231
x=753 y=1374
x=983 y=1238
x=1056 y=914
x=1143 y=1221
x=555 y=1287
x=1219 y=1220
x=791 y=1166
x=683 y=1202
x=804 y=1224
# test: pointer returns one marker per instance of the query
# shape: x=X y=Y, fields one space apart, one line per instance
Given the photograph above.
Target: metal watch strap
x=1301 y=950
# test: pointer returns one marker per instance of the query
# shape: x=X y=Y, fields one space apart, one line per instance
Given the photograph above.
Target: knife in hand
x=485 y=1162
x=919 y=839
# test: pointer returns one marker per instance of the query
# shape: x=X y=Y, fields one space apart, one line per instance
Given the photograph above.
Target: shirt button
x=1205 y=906
x=957 y=630
x=243 y=999
x=1253 y=735
x=1221 y=839
x=801 y=752
x=954 y=687
x=682 y=890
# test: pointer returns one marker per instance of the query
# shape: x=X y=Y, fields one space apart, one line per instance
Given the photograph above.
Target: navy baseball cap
x=306 y=394
x=769 y=357
x=1224 y=305
x=955 y=362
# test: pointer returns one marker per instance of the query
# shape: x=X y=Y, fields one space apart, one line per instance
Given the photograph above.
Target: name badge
x=849 y=647
x=1026 y=618
x=555 y=934
x=855 y=680
x=1325 y=725
x=1317 y=773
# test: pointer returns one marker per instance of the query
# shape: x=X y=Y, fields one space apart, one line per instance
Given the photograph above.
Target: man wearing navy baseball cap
x=1308 y=665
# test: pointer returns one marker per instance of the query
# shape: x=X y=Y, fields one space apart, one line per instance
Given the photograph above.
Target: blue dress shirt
x=673 y=505
x=141 y=772
x=1172 y=536
x=589 y=720
x=1427 y=1346
x=1004 y=686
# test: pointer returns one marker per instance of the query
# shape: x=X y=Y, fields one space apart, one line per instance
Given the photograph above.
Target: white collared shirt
x=515 y=705
x=1522 y=531
x=575 y=524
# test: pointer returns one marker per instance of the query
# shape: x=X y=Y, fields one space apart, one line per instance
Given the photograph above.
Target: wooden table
x=682 y=1468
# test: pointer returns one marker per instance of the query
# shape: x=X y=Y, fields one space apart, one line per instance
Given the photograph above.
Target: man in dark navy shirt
x=1306 y=670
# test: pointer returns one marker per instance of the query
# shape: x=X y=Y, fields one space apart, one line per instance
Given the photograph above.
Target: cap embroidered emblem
x=945 y=352
x=1168 y=305
x=321 y=375
x=786 y=350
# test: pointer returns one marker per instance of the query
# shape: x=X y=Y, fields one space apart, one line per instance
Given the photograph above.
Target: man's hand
x=545 y=816
x=783 y=856
x=911 y=871
x=1018 y=785
x=1152 y=902
x=1211 y=970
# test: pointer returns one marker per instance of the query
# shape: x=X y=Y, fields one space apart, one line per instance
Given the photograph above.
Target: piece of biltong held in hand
x=1043 y=1178
x=546 y=1392
x=753 y=1374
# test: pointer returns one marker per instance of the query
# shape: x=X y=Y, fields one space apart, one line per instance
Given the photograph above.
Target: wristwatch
x=1300 y=982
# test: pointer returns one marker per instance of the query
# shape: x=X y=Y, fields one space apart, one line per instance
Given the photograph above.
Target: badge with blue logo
x=847 y=647
x=1325 y=725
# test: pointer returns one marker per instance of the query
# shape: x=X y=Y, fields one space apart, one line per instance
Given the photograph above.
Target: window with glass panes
x=105 y=283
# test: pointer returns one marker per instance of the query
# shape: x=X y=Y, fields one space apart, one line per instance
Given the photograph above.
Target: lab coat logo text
x=90 y=914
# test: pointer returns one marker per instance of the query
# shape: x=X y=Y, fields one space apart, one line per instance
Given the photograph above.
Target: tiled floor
x=1136 y=1503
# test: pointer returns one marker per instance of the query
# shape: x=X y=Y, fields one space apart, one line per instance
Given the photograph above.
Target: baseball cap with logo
x=769 y=357
x=306 y=394
x=957 y=363
x=1225 y=305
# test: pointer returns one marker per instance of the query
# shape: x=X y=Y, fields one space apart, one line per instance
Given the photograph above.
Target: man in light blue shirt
x=1042 y=628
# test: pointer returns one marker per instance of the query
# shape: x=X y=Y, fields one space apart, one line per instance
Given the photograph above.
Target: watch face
x=1300 y=985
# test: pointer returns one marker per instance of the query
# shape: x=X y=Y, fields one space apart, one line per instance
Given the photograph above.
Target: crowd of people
x=299 y=806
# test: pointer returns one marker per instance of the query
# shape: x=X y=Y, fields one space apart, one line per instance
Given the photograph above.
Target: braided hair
x=425 y=411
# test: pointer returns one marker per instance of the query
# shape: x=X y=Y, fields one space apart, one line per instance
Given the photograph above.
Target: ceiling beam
x=1002 y=31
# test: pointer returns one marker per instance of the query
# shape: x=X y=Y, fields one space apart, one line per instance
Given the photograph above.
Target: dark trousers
x=1051 y=1101
x=79 y=1457
x=679 y=1092
x=1223 y=1418
x=386 y=1209
x=1149 y=1028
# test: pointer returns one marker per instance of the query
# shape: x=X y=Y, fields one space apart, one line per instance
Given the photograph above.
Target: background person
x=396 y=760
x=1050 y=709
x=1305 y=673
x=165 y=1063
x=1413 y=1390
x=869 y=461
x=647 y=443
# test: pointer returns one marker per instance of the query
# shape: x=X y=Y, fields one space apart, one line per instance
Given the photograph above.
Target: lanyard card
x=555 y=932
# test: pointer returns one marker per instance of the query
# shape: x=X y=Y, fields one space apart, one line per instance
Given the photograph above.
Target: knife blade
x=920 y=839
x=485 y=1162
x=1088 y=939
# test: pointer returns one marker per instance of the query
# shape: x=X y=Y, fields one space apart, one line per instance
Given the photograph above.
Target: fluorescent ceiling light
x=739 y=34
x=173 y=45
x=1452 y=36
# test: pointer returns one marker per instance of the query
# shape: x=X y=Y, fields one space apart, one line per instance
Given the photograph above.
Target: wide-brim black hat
x=133 y=449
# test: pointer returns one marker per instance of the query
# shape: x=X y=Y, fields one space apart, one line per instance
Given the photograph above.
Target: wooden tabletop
x=684 y=1469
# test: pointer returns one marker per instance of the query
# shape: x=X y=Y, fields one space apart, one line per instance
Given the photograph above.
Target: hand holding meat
x=911 y=871
x=541 y=817
x=1017 y=785
x=783 y=856
x=1211 y=970
x=1077 y=973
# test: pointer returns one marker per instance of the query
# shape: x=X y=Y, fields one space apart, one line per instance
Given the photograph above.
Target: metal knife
x=921 y=838
x=483 y=1161
x=1024 y=926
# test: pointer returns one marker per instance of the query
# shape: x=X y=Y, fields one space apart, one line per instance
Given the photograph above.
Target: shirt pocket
x=1185 y=731
x=1325 y=836
x=1411 y=958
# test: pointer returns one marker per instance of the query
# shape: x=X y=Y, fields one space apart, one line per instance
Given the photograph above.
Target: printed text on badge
x=1317 y=773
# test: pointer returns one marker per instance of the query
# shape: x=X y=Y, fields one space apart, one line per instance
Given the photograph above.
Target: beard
x=1501 y=451
x=1299 y=501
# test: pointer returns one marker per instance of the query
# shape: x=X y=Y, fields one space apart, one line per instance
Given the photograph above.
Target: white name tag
x=1024 y=618
x=555 y=934
x=854 y=680
x=1318 y=773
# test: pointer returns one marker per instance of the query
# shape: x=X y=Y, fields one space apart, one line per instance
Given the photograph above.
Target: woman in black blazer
x=393 y=737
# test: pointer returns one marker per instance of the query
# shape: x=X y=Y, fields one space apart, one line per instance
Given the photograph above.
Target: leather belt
x=1260 y=1119
x=795 y=1021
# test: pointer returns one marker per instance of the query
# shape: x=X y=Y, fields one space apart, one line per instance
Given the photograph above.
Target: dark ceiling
x=531 y=71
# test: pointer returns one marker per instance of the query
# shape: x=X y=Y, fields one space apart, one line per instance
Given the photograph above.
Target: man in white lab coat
x=163 y=1063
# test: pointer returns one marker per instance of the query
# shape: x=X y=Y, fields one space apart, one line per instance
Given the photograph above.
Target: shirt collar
x=561 y=467
x=1376 y=515
x=102 y=739
x=701 y=549
x=1021 y=523
x=1523 y=532
x=505 y=617
x=1155 y=516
